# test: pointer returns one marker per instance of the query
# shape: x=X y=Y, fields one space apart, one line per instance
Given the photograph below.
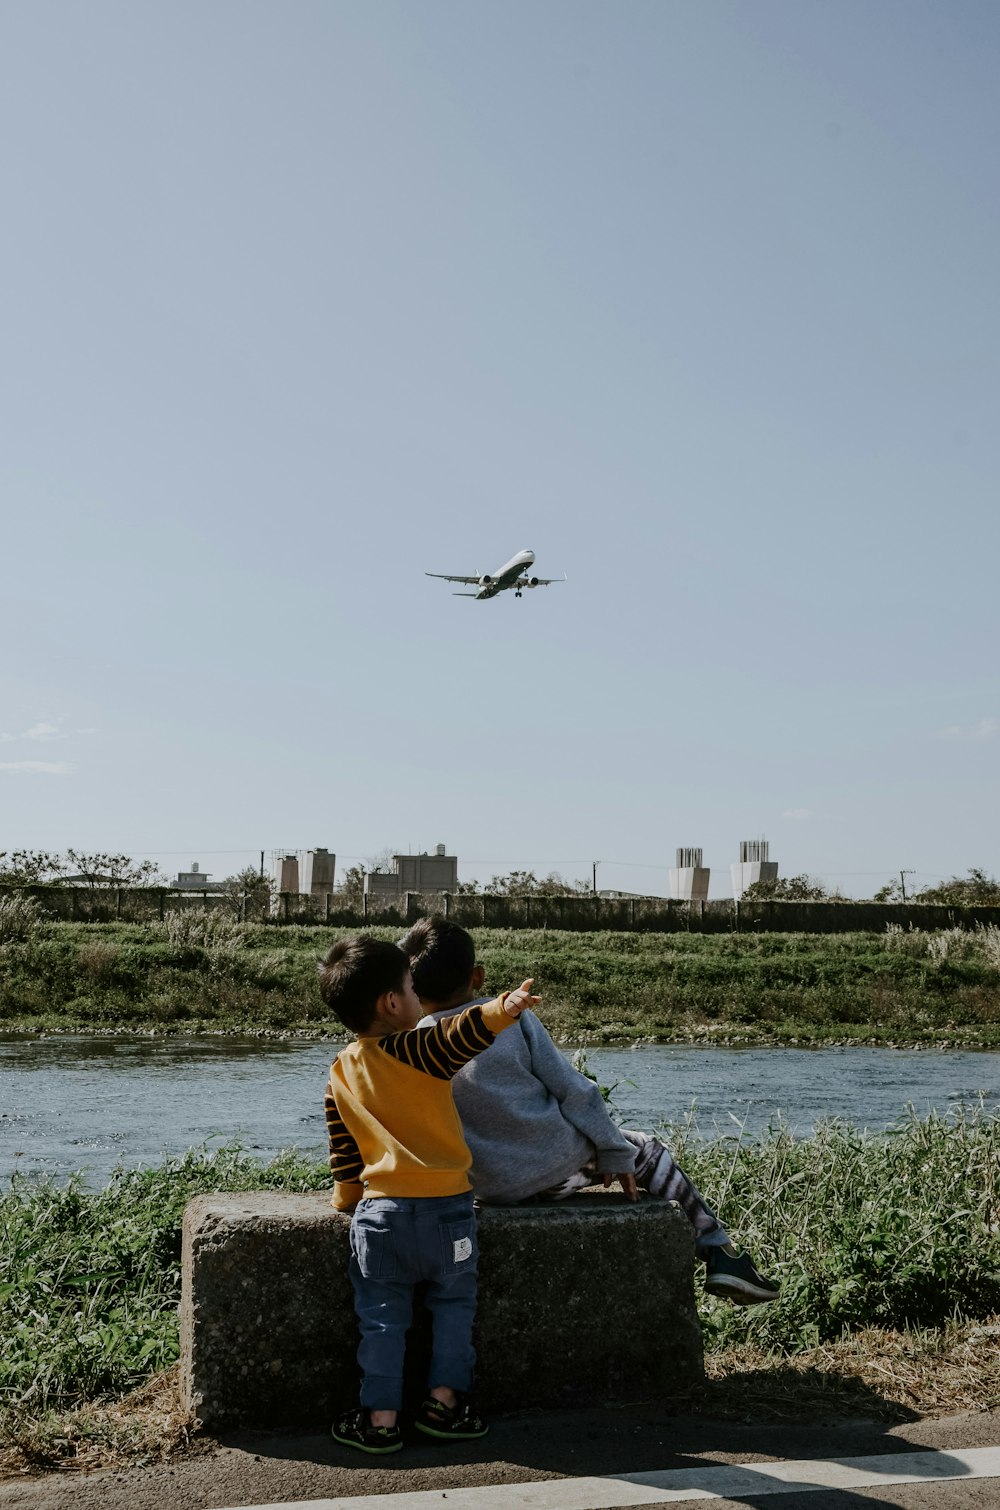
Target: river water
x=89 y=1103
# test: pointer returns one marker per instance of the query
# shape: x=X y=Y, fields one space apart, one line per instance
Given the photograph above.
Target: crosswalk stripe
x=673 y=1486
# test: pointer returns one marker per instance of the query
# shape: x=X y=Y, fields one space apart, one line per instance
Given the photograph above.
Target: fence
x=580 y=911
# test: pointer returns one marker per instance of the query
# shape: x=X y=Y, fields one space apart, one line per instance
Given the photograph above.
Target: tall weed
x=21 y=919
x=890 y=1230
x=207 y=930
x=988 y=937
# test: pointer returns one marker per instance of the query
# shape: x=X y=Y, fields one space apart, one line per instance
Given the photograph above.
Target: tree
x=113 y=870
x=29 y=867
x=249 y=894
x=977 y=889
x=789 y=889
x=353 y=888
x=524 y=883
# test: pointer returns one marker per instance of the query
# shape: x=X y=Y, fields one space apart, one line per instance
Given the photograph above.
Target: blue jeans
x=396 y=1244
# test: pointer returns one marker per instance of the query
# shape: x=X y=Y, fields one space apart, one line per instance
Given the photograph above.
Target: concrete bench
x=583 y=1302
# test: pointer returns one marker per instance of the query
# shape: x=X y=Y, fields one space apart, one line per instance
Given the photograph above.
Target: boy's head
x=368 y=985
x=442 y=957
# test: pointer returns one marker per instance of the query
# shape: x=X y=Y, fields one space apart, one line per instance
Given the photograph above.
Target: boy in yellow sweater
x=400 y=1162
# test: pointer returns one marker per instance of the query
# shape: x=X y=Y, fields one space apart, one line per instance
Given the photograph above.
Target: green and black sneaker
x=463 y=1424
x=735 y=1277
x=354 y=1429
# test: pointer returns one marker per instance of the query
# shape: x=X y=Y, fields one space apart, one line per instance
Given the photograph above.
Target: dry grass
x=149 y=1425
x=878 y=1375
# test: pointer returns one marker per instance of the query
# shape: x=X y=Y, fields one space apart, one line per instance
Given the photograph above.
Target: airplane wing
x=469 y=581
x=460 y=594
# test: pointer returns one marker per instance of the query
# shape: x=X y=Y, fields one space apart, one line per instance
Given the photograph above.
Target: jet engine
x=485 y=580
x=531 y=582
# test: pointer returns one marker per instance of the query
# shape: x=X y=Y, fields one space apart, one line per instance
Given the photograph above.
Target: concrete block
x=583 y=1302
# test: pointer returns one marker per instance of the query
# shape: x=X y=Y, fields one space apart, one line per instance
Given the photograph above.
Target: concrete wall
x=577 y=912
x=587 y=1301
x=858 y=917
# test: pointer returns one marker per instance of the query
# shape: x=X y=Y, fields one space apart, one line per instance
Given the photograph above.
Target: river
x=69 y=1103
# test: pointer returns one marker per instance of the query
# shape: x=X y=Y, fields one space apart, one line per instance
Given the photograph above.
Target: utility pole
x=593 y=887
x=262 y=864
x=902 y=880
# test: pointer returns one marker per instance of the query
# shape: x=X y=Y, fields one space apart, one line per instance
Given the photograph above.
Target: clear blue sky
x=699 y=301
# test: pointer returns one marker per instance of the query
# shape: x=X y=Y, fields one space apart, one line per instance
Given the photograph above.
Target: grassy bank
x=196 y=973
x=890 y=1233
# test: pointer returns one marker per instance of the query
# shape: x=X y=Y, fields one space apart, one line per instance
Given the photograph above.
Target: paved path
x=582 y=1460
x=676 y=1486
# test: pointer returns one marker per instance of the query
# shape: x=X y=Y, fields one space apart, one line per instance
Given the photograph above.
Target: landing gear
x=518 y=593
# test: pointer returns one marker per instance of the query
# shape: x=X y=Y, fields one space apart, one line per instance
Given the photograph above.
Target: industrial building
x=753 y=865
x=307 y=872
x=689 y=878
x=418 y=873
x=196 y=879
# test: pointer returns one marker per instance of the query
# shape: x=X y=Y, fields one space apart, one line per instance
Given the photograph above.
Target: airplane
x=510 y=575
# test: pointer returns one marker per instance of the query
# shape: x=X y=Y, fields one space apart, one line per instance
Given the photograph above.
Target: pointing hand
x=520 y=999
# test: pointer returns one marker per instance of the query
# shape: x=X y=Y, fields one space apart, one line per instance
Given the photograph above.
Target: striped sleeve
x=442 y=1049
x=346 y=1162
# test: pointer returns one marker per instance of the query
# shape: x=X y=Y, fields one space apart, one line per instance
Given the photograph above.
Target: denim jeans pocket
x=459 y=1248
x=373 y=1249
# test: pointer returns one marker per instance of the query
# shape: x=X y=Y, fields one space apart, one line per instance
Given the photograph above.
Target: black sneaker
x=435 y=1419
x=354 y=1429
x=733 y=1276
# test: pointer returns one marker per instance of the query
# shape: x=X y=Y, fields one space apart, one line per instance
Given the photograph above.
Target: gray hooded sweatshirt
x=530 y=1119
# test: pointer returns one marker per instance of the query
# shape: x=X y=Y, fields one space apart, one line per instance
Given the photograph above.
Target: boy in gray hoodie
x=539 y=1130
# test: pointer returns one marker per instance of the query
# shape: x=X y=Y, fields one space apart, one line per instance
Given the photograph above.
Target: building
x=689 y=878
x=286 y=873
x=196 y=879
x=304 y=873
x=419 y=873
x=753 y=865
x=316 y=871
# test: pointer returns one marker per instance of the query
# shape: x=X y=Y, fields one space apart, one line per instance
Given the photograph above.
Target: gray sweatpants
x=657 y=1172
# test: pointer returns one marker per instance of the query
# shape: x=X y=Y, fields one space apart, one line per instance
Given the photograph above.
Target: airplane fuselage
x=511 y=574
x=507 y=576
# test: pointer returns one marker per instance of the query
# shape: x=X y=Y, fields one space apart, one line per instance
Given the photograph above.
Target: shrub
x=20 y=918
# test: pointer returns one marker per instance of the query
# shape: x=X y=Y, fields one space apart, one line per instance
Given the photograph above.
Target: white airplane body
x=487 y=585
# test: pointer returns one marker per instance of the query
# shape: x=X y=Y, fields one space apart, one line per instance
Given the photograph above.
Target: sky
x=697 y=301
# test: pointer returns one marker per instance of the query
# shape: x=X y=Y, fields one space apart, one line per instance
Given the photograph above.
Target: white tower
x=316 y=871
x=689 y=878
x=286 y=873
x=753 y=865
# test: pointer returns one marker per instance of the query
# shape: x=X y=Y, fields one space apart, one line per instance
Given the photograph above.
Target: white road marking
x=675 y=1485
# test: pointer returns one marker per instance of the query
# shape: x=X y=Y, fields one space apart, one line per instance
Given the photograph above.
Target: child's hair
x=441 y=955
x=355 y=973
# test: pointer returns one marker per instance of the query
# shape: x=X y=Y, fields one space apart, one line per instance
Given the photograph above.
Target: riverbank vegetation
x=885 y=1246
x=198 y=972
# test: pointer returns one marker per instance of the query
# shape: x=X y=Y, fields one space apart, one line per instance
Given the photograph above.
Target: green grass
x=892 y=1231
x=195 y=974
x=89 y=1282
x=895 y=1231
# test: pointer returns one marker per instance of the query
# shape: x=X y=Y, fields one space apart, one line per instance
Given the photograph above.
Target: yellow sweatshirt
x=390 y=1113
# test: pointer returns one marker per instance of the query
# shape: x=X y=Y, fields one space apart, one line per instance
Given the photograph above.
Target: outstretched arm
x=441 y=1050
